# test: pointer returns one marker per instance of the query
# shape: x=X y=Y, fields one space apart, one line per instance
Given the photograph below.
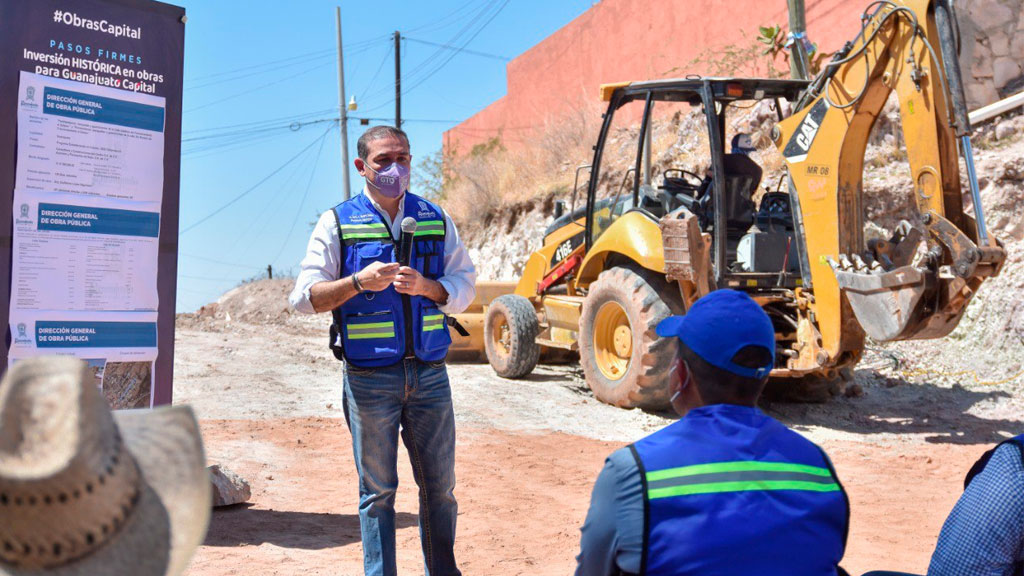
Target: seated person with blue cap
x=726 y=490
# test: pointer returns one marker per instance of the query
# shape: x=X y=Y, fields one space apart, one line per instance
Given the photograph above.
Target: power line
x=255 y=73
x=436 y=53
x=260 y=87
x=253 y=187
x=354 y=47
x=440 y=23
x=302 y=203
x=449 y=47
x=294 y=126
x=424 y=76
x=266 y=121
x=462 y=48
x=221 y=262
x=207 y=279
x=391 y=48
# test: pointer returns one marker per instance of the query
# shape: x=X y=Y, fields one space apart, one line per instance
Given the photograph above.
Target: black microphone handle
x=405 y=249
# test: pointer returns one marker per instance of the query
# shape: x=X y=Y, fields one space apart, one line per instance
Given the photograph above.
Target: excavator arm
x=918 y=283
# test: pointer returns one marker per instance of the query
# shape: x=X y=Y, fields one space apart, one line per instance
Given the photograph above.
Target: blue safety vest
x=377 y=329
x=730 y=491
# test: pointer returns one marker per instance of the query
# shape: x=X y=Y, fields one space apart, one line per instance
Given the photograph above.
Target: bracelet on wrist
x=356 y=284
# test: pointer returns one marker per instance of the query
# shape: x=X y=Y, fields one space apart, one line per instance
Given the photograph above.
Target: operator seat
x=742 y=175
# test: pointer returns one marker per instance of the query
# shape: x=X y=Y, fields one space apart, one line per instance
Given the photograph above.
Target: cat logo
x=808 y=129
x=800 y=144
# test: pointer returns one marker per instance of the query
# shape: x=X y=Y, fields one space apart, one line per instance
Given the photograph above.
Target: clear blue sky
x=255 y=68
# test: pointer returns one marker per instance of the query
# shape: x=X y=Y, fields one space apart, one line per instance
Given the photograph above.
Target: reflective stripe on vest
x=738 y=476
x=430 y=228
x=728 y=478
x=433 y=322
x=365 y=232
x=370 y=330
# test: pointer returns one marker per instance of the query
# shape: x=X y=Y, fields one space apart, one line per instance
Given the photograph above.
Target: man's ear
x=360 y=166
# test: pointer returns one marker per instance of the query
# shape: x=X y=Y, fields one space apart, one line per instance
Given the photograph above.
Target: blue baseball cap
x=721 y=324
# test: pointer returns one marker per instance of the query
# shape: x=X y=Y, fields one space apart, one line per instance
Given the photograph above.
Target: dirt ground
x=269 y=399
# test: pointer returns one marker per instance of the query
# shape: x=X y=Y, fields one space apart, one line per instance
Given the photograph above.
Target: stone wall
x=992 y=48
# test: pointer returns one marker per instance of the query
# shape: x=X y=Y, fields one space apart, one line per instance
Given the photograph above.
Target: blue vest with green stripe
x=730 y=491
x=377 y=329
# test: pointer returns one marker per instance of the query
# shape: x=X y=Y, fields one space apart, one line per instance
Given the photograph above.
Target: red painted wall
x=630 y=40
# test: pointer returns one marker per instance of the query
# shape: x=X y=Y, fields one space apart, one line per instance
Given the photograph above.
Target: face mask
x=391 y=181
x=683 y=386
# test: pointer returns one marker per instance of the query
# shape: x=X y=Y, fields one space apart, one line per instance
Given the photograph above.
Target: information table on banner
x=90 y=174
x=87 y=199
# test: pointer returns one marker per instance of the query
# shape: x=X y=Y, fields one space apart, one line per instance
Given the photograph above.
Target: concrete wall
x=628 y=40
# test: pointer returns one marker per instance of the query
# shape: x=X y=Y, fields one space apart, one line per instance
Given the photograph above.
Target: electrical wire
x=298 y=211
x=354 y=47
x=440 y=23
x=271 y=207
x=267 y=121
x=253 y=187
x=260 y=87
x=377 y=73
x=255 y=73
x=221 y=262
x=423 y=71
x=464 y=50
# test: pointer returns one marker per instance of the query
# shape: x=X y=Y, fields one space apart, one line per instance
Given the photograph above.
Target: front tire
x=625 y=362
x=510 y=336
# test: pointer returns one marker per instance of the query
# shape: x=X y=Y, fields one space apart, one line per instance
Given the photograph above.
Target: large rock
x=989 y=14
x=981 y=67
x=981 y=93
x=1004 y=70
x=228 y=488
x=999 y=43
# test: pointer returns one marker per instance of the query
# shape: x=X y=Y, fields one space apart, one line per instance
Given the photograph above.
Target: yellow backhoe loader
x=650 y=238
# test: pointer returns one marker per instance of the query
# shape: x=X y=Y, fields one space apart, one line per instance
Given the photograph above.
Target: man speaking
x=390 y=267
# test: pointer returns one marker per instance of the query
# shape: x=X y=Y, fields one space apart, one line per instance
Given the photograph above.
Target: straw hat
x=87 y=492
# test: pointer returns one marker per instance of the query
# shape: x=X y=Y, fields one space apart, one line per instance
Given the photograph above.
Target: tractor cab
x=652 y=159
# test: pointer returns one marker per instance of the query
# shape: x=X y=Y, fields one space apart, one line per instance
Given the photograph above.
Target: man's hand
x=410 y=281
x=378 y=276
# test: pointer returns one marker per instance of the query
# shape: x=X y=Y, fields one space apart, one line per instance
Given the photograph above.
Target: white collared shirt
x=323 y=261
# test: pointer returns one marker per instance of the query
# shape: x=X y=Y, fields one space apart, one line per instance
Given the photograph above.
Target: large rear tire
x=510 y=336
x=625 y=362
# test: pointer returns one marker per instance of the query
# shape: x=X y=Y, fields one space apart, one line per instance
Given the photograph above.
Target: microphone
x=405 y=244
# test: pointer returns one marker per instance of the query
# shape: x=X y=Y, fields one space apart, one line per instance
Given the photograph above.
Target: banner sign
x=90 y=147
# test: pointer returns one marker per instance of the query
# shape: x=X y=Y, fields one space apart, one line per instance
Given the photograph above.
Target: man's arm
x=984 y=535
x=321 y=263
x=318 y=288
x=459 y=278
x=375 y=277
x=611 y=538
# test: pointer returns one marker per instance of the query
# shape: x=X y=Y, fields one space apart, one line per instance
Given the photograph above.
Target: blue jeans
x=415 y=396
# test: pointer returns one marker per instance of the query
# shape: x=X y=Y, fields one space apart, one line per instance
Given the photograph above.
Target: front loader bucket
x=887 y=305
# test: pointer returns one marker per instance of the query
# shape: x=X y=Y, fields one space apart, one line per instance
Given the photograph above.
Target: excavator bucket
x=895 y=299
x=885 y=304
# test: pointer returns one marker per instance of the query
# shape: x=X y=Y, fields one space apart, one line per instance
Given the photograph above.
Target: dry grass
x=492 y=179
x=493 y=182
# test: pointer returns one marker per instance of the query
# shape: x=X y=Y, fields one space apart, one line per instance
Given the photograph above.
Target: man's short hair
x=378 y=133
x=717 y=386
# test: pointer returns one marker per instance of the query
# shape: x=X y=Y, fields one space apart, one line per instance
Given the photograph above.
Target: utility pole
x=798 y=62
x=343 y=114
x=398 y=80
